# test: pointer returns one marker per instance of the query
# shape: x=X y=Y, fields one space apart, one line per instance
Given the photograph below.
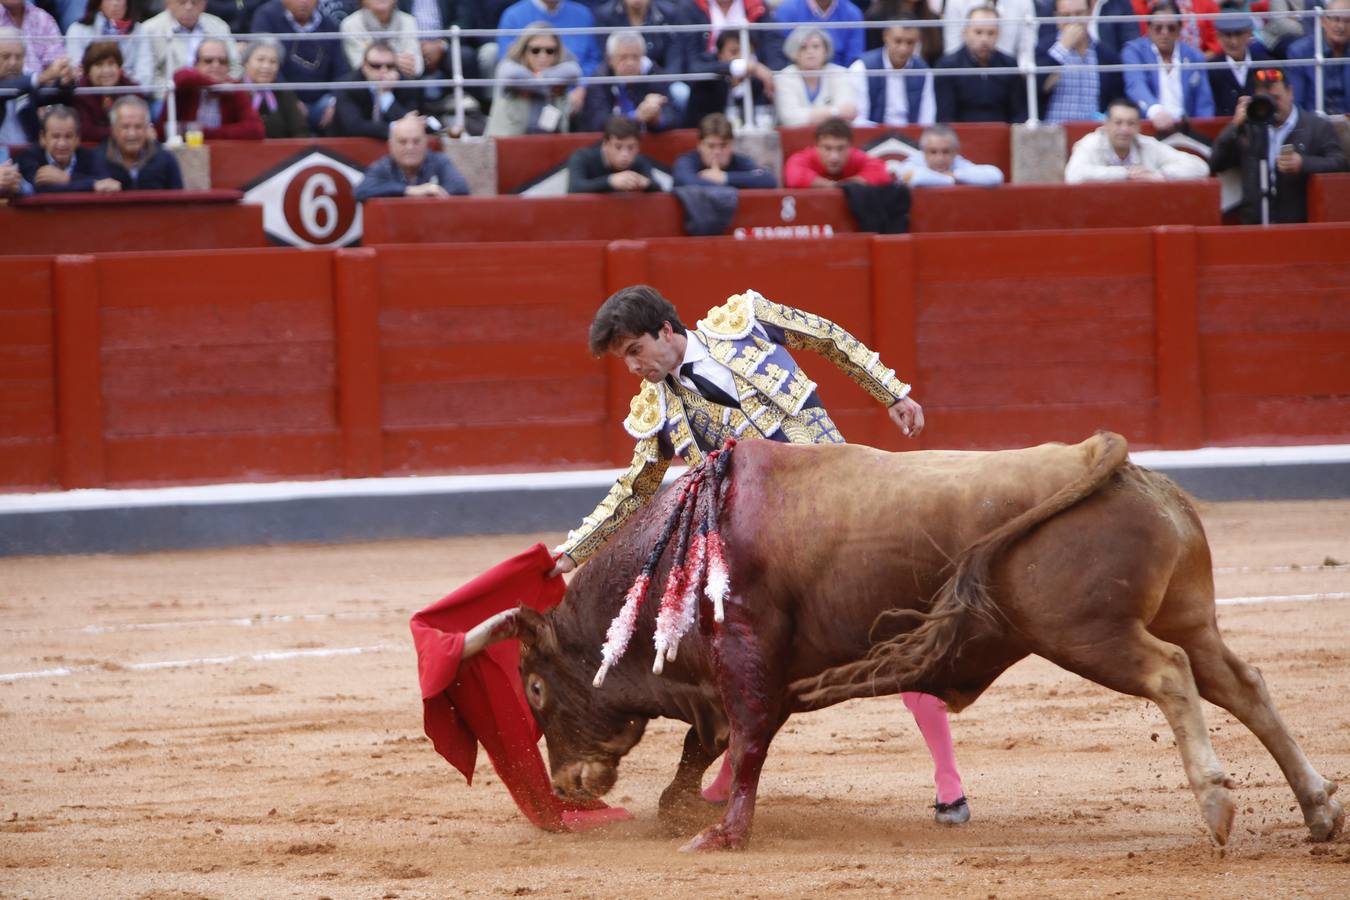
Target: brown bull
x=1067 y=552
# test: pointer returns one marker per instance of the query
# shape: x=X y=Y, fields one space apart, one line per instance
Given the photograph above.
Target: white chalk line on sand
x=278 y=655
x=240 y=622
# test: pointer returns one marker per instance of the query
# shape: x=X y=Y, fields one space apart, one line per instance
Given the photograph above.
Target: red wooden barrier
x=1023 y=207
x=29 y=450
x=1329 y=198
x=105 y=223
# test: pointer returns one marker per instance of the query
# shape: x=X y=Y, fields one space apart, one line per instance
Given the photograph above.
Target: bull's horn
x=659 y=664
x=600 y=675
x=496 y=628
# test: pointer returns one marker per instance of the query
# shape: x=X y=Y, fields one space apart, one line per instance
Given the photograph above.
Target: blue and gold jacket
x=751 y=336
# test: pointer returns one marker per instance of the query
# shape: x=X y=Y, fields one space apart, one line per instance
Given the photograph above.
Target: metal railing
x=458 y=84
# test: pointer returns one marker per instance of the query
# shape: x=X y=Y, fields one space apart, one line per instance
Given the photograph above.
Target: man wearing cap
x=1241 y=52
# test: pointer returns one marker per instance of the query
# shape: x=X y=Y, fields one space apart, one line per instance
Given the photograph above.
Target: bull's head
x=586 y=736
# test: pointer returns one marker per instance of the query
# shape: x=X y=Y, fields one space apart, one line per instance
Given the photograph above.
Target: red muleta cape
x=483 y=701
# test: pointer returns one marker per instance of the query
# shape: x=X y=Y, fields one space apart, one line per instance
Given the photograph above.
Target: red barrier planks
x=27 y=374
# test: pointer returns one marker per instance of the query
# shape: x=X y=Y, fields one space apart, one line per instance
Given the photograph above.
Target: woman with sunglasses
x=531 y=96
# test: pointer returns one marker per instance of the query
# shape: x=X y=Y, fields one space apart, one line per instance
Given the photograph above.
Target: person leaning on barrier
x=726 y=95
x=1172 y=90
x=410 y=170
x=59 y=163
x=1296 y=144
x=102 y=67
x=813 y=89
x=1242 y=54
x=715 y=162
x=42 y=36
x=133 y=155
x=893 y=83
x=997 y=96
x=372 y=111
x=113 y=20
x=221 y=115
x=833 y=160
x=940 y=163
x=1077 y=92
x=646 y=103
x=1118 y=152
x=614 y=165
x=1335 y=76
x=282 y=113
x=19 y=112
x=534 y=79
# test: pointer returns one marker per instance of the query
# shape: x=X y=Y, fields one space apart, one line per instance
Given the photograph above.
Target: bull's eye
x=534 y=692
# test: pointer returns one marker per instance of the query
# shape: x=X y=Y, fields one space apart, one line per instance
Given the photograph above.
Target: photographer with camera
x=1278 y=148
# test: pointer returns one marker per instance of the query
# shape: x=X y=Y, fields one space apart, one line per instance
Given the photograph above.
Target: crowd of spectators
x=812 y=71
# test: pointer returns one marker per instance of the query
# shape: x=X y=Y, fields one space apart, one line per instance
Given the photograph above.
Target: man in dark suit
x=999 y=96
x=1242 y=54
x=1298 y=145
x=18 y=111
x=59 y=163
x=369 y=112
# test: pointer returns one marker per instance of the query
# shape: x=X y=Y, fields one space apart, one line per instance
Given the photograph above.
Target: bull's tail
x=905 y=660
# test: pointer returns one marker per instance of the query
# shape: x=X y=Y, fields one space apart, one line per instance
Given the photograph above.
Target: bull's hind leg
x=1227 y=681
x=1132 y=661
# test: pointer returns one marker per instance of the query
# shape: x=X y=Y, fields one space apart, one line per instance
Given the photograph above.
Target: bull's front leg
x=754 y=692
x=682 y=807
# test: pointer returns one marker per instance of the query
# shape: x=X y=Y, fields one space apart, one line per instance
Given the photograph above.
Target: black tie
x=707 y=388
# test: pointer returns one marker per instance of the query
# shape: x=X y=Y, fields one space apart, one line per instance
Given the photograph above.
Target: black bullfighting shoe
x=955 y=813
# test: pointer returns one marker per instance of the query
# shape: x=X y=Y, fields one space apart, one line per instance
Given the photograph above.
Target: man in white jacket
x=1118 y=152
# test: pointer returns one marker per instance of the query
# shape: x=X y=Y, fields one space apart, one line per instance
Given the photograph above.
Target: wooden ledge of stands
x=118 y=198
x=1037 y=207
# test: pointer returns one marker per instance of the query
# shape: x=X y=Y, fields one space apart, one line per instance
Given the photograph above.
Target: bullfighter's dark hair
x=1125 y=102
x=631 y=312
x=835 y=127
x=619 y=128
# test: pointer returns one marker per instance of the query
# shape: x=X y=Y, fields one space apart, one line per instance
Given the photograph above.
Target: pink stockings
x=930 y=714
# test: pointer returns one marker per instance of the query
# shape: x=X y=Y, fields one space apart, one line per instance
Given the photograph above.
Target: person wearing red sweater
x=833 y=161
x=221 y=115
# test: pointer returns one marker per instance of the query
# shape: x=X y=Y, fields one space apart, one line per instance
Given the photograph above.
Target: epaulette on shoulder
x=646 y=411
x=732 y=320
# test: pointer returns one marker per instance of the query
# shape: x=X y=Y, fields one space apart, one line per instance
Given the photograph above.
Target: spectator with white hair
x=940 y=163
x=646 y=103
x=42 y=36
x=283 y=114
x=383 y=20
x=133 y=155
x=846 y=44
x=812 y=89
x=177 y=32
x=33 y=90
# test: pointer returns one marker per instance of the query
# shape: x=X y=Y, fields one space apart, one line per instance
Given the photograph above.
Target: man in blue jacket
x=1173 y=89
x=410 y=170
x=1335 y=75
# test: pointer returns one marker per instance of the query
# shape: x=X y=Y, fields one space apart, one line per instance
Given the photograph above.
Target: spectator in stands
x=895 y=82
x=382 y=19
x=727 y=95
x=1298 y=144
x=235 y=13
x=1015 y=37
x=1118 y=152
x=720 y=16
x=1278 y=32
x=441 y=15
x=282 y=113
x=1335 y=76
x=133 y=155
x=113 y=20
x=846 y=44
x=612 y=165
x=996 y=97
x=410 y=170
x=41 y=35
x=715 y=162
x=539 y=71
x=312 y=61
x=1242 y=54
x=102 y=67
x=1172 y=90
x=1114 y=35
x=221 y=115
x=1198 y=34
x=646 y=103
x=930 y=39
x=833 y=160
x=1077 y=92
x=371 y=112
x=53 y=84
x=941 y=163
x=664 y=49
x=812 y=89
x=177 y=32
x=559 y=14
x=59 y=163
x=12 y=183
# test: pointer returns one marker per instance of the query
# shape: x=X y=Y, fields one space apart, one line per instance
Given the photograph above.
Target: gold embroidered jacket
x=751 y=336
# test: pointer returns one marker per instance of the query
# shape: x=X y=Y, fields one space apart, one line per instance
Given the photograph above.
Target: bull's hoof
x=951 y=814
x=716 y=837
x=1218 y=810
x=681 y=813
x=1325 y=819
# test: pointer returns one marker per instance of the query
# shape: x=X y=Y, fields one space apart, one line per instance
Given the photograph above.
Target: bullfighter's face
x=652 y=358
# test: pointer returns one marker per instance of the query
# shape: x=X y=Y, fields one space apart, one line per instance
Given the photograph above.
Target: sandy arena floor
x=307 y=775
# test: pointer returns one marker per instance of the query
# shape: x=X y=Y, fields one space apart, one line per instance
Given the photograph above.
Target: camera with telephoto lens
x=1261 y=109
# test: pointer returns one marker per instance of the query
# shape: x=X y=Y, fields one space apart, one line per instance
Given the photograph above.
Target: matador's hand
x=564 y=565
x=908 y=416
